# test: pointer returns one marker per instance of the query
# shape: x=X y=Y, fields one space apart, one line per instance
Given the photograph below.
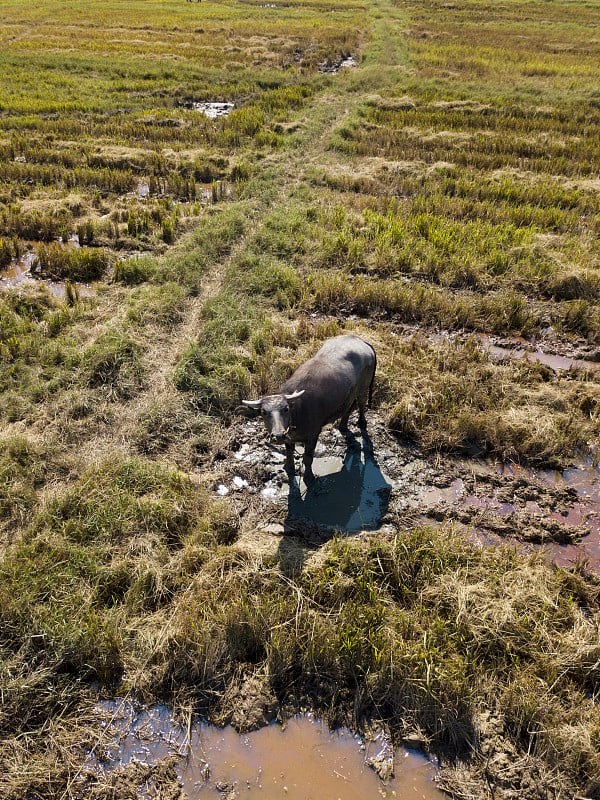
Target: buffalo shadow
x=350 y=499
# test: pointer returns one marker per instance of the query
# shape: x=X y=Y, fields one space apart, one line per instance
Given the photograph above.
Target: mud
x=355 y=478
x=374 y=482
x=535 y=354
x=143 y=189
x=548 y=348
x=299 y=761
x=560 y=510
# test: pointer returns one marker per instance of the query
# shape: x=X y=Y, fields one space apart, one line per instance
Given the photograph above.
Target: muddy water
x=18 y=272
x=213 y=110
x=555 y=362
x=350 y=494
x=143 y=189
x=21 y=272
x=583 y=514
x=301 y=761
x=334 y=67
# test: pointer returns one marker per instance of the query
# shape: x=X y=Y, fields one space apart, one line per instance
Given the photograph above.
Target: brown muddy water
x=557 y=363
x=22 y=272
x=301 y=761
x=583 y=513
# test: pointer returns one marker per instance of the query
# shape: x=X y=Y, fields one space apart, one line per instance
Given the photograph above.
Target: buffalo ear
x=295 y=395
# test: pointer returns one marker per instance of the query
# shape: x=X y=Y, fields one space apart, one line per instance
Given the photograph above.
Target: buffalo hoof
x=309 y=476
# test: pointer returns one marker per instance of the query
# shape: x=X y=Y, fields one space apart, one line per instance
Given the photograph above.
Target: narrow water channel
x=302 y=761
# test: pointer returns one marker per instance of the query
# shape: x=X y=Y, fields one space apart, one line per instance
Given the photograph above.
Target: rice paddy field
x=193 y=197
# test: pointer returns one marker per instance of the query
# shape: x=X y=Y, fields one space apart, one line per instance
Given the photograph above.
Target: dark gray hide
x=324 y=389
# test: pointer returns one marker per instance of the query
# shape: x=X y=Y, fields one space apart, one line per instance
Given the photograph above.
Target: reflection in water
x=349 y=495
x=301 y=761
x=20 y=272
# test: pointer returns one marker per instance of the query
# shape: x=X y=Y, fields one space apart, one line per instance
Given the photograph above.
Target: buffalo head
x=275 y=410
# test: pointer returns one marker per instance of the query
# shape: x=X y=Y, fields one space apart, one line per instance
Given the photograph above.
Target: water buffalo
x=324 y=389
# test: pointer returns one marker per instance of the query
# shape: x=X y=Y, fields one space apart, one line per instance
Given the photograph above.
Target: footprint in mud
x=347 y=495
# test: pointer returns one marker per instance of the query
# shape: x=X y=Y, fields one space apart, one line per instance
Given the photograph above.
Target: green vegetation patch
x=58 y=263
x=113 y=363
x=100 y=545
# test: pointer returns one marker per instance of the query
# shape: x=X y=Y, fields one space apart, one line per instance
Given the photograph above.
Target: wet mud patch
x=557 y=509
x=549 y=348
x=333 y=67
x=577 y=358
x=378 y=482
x=213 y=109
x=350 y=494
x=357 y=476
x=160 y=757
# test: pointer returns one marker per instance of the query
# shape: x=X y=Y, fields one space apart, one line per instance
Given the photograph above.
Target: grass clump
x=38 y=354
x=215 y=369
x=133 y=271
x=417 y=629
x=23 y=469
x=88 y=548
x=453 y=396
x=122 y=500
x=114 y=364
x=58 y=263
x=270 y=279
x=160 y=306
x=210 y=242
x=171 y=423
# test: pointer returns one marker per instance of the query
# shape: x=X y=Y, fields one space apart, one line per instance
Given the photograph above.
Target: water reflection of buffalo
x=353 y=498
x=324 y=389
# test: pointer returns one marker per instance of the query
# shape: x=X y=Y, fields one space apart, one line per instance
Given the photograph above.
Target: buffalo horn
x=252 y=403
x=294 y=395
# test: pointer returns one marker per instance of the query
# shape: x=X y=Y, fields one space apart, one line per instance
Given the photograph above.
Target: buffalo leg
x=343 y=423
x=362 y=408
x=309 y=452
x=289 y=458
